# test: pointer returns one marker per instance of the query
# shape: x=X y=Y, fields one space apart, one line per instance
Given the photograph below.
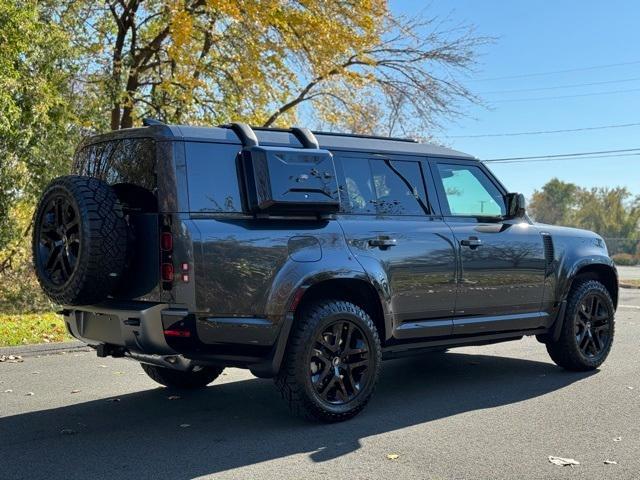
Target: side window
x=383 y=187
x=358 y=185
x=399 y=187
x=129 y=160
x=213 y=177
x=469 y=192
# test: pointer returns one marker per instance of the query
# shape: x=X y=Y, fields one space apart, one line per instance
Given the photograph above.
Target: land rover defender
x=308 y=257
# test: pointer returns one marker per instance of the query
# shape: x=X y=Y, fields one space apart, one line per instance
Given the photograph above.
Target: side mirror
x=515 y=205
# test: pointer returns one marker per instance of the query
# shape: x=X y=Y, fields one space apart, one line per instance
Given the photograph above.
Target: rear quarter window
x=213 y=177
x=129 y=160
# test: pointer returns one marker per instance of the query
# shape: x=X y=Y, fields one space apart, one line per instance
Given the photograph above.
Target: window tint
x=399 y=187
x=384 y=187
x=359 y=185
x=213 y=177
x=469 y=192
x=130 y=160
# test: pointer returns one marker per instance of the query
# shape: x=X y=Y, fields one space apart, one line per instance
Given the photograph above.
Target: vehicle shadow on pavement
x=243 y=423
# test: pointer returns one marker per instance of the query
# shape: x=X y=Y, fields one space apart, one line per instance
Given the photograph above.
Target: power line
x=560 y=155
x=553 y=72
x=567 y=158
x=574 y=85
x=558 y=97
x=541 y=132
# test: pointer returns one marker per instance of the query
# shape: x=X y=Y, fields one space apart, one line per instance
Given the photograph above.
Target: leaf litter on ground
x=563 y=462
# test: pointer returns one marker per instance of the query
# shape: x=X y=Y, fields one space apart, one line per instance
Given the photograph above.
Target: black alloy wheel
x=332 y=362
x=587 y=330
x=340 y=362
x=59 y=240
x=592 y=323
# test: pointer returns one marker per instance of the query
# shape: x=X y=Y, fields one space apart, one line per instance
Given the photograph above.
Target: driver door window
x=469 y=192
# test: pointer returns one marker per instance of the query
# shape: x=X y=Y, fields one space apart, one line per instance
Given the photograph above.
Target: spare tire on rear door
x=80 y=239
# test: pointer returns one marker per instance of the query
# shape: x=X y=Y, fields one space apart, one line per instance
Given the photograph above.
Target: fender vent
x=549 y=253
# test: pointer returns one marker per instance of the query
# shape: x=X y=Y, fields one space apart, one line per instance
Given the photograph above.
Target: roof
x=282 y=137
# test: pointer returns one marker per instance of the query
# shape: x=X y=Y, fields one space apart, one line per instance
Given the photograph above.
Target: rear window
x=213 y=177
x=384 y=187
x=129 y=160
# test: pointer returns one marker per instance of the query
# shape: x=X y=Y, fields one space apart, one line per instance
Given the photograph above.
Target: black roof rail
x=244 y=132
x=148 y=122
x=306 y=137
x=360 y=135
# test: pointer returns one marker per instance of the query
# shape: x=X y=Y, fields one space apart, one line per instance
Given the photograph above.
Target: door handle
x=383 y=242
x=471 y=242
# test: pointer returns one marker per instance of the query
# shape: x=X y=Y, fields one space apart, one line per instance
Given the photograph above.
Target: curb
x=629 y=286
x=44 y=349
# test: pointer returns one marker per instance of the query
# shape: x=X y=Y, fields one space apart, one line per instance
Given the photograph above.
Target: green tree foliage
x=38 y=131
x=611 y=212
x=553 y=204
x=36 y=117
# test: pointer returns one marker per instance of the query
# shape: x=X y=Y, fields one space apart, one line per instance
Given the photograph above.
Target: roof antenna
x=148 y=122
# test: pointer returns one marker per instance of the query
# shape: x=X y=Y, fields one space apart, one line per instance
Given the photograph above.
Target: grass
x=22 y=329
x=635 y=282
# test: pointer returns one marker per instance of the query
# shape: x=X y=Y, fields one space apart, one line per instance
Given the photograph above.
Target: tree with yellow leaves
x=346 y=64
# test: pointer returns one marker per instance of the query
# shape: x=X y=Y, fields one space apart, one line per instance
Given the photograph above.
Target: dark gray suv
x=307 y=257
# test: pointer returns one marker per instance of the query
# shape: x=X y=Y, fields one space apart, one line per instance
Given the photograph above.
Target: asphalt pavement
x=479 y=412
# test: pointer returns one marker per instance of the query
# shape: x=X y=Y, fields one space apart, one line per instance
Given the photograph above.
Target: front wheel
x=332 y=362
x=587 y=331
x=198 y=377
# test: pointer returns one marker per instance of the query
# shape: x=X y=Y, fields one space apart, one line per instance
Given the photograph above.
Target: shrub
x=624 y=259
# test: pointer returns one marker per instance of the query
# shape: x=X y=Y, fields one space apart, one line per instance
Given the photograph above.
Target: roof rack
x=338 y=134
x=244 y=132
x=249 y=139
x=305 y=136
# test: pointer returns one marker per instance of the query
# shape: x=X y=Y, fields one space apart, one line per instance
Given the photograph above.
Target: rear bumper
x=137 y=329
x=135 y=326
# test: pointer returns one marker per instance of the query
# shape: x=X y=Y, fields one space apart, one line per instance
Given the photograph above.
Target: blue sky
x=548 y=36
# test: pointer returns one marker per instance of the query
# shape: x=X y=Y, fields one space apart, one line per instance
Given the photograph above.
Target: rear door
x=502 y=263
x=396 y=235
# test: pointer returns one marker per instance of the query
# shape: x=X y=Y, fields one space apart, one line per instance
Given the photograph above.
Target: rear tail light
x=166 y=241
x=166 y=253
x=167 y=272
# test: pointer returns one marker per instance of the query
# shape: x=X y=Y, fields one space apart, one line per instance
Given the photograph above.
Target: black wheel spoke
x=358 y=364
x=66 y=264
x=583 y=341
x=359 y=349
x=593 y=307
x=52 y=259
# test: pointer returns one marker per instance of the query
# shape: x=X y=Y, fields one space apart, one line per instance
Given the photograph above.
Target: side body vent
x=549 y=252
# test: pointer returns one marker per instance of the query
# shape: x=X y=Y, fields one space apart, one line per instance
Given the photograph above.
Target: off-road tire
x=103 y=240
x=189 y=380
x=293 y=380
x=565 y=352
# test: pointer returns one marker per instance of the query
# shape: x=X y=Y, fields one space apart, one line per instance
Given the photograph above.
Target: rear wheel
x=198 y=377
x=332 y=362
x=587 y=331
